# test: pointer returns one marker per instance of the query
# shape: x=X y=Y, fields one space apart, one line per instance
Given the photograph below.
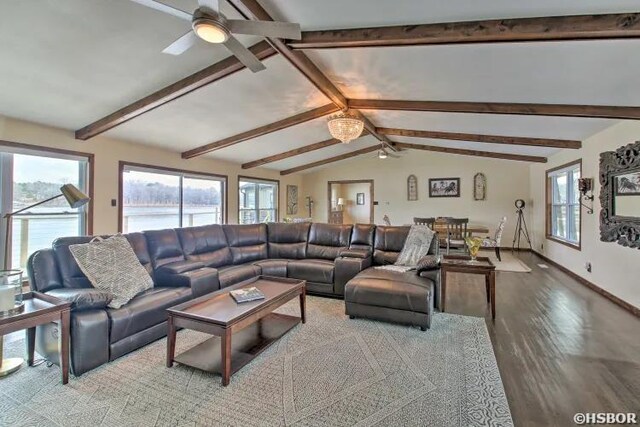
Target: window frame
x=182 y=173
x=258 y=180
x=549 y=206
x=58 y=153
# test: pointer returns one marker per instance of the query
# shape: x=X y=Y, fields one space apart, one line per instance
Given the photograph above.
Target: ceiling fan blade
x=164 y=8
x=182 y=44
x=244 y=55
x=283 y=30
x=210 y=4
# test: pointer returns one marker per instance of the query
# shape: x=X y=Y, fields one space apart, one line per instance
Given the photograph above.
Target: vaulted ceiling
x=70 y=63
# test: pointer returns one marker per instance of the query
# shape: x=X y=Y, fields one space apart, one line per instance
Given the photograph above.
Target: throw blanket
x=415 y=247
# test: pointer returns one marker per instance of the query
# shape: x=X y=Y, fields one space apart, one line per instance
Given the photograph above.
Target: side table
x=464 y=264
x=40 y=309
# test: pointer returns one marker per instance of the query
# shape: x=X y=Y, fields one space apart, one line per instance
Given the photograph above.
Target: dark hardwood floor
x=561 y=347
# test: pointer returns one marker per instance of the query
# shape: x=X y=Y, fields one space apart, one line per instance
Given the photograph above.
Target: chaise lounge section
x=392 y=296
x=186 y=263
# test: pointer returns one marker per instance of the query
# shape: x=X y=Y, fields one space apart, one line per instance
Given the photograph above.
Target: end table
x=40 y=309
x=464 y=264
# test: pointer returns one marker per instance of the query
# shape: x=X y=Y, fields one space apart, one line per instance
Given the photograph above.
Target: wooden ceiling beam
x=472 y=152
x=330 y=160
x=212 y=73
x=582 y=27
x=295 y=152
x=262 y=130
x=251 y=9
x=492 y=139
x=563 y=110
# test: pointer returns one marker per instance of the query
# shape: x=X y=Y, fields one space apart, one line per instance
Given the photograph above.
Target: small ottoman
x=390 y=296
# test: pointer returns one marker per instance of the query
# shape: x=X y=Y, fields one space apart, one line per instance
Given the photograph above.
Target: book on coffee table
x=246 y=294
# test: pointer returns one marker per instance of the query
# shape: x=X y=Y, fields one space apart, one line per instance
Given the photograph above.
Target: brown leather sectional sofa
x=185 y=263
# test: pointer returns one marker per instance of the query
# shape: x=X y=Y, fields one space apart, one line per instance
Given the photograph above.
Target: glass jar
x=11 y=292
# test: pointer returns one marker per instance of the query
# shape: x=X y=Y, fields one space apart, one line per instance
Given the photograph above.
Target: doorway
x=350 y=201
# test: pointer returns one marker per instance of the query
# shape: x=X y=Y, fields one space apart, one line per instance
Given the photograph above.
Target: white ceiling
x=330 y=14
x=69 y=70
x=240 y=102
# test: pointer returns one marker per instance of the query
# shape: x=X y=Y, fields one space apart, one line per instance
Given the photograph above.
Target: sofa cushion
x=362 y=236
x=42 y=269
x=139 y=245
x=273 y=267
x=164 y=246
x=326 y=241
x=388 y=243
x=248 y=242
x=144 y=311
x=313 y=270
x=72 y=275
x=288 y=240
x=382 y=288
x=232 y=274
x=207 y=244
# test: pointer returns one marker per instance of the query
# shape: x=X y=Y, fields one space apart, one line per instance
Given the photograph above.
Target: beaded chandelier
x=345 y=126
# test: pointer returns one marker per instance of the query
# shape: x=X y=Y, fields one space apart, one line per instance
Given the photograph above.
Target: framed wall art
x=292 y=199
x=444 y=187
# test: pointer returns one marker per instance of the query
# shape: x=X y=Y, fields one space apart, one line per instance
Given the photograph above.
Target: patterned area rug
x=330 y=371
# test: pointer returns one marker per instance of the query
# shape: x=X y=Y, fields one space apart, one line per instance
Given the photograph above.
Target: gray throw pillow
x=112 y=266
x=428 y=262
x=416 y=246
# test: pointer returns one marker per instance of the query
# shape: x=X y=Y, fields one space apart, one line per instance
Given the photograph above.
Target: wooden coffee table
x=253 y=325
x=464 y=264
x=40 y=309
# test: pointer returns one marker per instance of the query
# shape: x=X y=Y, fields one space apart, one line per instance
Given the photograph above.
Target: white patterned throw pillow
x=112 y=266
x=416 y=246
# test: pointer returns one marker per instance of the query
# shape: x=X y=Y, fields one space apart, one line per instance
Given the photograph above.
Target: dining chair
x=456 y=233
x=494 y=242
x=429 y=222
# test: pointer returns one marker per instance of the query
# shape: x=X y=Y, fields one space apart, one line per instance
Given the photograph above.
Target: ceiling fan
x=382 y=153
x=210 y=25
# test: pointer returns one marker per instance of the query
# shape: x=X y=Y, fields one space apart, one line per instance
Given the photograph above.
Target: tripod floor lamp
x=10 y=292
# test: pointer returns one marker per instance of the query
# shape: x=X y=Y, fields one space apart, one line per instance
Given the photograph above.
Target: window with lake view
x=257 y=200
x=154 y=198
x=563 y=204
x=28 y=176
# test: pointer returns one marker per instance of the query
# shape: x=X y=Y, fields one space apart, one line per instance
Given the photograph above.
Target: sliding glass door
x=155 y=198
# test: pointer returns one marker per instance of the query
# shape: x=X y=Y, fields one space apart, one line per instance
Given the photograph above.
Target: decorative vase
x=474 y=244
x=11 y=292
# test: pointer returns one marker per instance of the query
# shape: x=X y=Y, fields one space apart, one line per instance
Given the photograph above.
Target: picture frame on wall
x=292 y=199
x=444 y=187
x=359 y=198
x=412 y=188
x=628 y=184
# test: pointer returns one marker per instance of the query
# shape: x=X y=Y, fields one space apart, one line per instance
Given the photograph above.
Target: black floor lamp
x=75 y=198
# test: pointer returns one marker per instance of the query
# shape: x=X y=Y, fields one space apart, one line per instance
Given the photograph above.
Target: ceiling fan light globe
x=382 y=154
x=210 y=31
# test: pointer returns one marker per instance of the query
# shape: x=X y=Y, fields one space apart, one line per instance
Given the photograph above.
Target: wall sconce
x=585 y=185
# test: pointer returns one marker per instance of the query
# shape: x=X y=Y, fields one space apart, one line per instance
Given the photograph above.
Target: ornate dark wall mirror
x=620 y=195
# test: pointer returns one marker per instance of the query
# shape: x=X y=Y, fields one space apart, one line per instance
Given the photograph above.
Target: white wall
x=506 y=181
x=614 y=267
x=109 y=152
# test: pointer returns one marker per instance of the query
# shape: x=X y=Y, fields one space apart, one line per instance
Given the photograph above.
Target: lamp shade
x=340 y=201
x=74 y=196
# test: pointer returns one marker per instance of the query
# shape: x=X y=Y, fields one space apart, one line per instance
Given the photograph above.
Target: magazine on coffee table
x=246 y=294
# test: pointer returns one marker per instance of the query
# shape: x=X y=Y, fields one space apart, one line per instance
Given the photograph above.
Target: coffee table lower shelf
x=246 y=344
